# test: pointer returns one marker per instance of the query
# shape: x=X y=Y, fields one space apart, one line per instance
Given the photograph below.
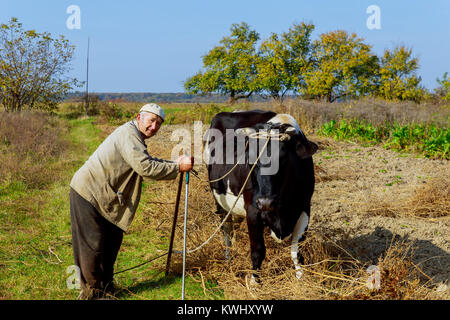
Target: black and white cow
x=279 y=200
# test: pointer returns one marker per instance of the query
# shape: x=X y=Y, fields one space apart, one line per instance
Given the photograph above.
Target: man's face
x=148 y=124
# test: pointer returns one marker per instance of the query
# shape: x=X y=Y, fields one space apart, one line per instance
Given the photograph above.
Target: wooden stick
x=175 y=215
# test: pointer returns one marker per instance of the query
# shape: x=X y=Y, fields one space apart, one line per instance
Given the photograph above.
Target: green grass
x=35 y=238
x=427 y=139
x=35 y=234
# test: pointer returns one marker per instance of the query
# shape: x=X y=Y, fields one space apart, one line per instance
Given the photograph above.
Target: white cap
x=153 y=108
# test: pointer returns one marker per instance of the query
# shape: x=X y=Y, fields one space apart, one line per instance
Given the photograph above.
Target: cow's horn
x=290 y=130
x=244 y=131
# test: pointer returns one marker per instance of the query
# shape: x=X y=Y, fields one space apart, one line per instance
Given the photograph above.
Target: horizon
x=154 y=47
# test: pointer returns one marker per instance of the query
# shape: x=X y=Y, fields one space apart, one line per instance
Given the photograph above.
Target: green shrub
x=428 y=139
x=114 y=113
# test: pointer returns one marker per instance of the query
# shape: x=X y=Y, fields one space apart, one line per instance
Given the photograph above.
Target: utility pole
x=87 y=80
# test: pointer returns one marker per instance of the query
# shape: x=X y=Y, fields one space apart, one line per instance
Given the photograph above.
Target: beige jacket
x=111 y=179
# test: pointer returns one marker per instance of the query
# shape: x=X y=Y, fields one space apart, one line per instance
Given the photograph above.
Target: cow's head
x=286 y=148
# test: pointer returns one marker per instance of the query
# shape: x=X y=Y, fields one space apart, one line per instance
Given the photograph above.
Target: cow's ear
x=305 y=149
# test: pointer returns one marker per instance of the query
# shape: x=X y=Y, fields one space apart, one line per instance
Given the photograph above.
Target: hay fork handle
x=185 y=232
x=175 y=216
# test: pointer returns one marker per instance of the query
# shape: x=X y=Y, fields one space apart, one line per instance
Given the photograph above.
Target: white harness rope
x=257 y=135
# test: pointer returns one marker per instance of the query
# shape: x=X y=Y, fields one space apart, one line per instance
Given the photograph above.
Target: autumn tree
x=230 y=67
x=443 y=91
x=283 y=61
x=398 y=79
x=343 y=66
x=32 y=68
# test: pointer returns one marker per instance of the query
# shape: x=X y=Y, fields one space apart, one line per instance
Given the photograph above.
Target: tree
x=443 y=91
x=230 y=67
x=283 y=60
x=32 y=68
x=343 y=66
x=397 y=76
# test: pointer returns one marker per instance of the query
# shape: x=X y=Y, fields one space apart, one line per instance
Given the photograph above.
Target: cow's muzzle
x=265 y=204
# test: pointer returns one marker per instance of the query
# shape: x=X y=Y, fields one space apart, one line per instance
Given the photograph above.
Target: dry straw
x=330 y=272
x=431 y=200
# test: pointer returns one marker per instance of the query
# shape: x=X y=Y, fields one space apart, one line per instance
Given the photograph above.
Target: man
x=105 y=193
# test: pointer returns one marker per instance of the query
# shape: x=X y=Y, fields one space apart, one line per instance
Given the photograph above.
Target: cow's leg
x=227 y=229
x=297 y=235
x=257 y=246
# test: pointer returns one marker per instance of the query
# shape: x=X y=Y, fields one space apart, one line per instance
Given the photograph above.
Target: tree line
x=336 y=66
x=161 y=97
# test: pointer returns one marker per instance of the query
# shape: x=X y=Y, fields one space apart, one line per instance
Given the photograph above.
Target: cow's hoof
x=299 y=274
x=254 y=281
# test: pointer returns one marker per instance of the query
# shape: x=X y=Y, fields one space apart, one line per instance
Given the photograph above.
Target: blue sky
x=153 y=46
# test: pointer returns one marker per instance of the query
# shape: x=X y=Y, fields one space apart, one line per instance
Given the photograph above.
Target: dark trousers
x=95 y=242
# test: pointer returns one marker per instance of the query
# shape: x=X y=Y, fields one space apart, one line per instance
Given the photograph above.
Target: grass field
x=35 y=236
x=378 y=201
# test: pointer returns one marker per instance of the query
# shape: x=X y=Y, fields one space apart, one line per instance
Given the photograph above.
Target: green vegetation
x=34 y=216
x=397 y=78
x=230 y=68
x=443 y=91
x=336 y=66
x=35 y=234
x=430 y=140
x=282 y=61
x=33 y=68
x=342 y=67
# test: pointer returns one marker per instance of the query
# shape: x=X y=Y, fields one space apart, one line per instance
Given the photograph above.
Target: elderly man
x=105 y=193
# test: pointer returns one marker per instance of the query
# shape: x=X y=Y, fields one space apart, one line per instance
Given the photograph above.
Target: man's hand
x=186 y=163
